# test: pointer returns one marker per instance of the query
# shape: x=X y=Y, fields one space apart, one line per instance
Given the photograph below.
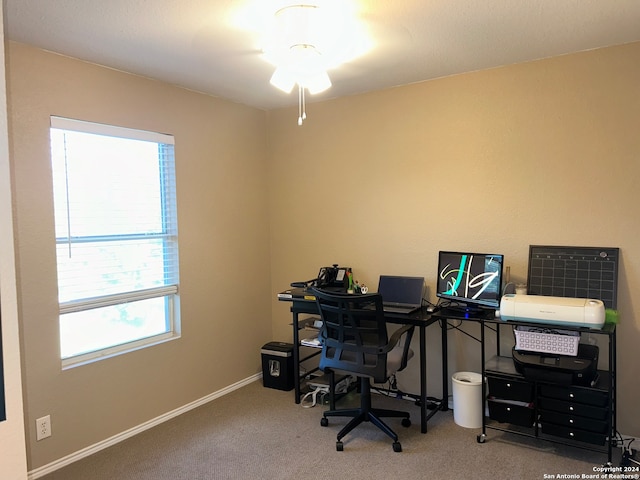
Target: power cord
x=310 y=399
x=393 y=383
x=392 y=390
x=629 y=459
x=628 y=454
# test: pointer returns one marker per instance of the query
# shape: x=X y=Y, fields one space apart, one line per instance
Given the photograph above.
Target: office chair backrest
x=353 y=334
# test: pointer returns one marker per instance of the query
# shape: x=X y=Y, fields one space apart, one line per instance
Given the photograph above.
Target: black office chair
x=354 y=340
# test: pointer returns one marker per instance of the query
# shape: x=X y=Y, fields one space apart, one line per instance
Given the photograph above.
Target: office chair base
x=397 y=447
x=373 y=416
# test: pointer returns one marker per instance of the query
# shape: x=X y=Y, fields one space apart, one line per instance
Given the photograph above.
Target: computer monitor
x=471 y=281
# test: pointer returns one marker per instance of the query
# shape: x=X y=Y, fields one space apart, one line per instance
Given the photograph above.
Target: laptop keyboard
x=390 y=309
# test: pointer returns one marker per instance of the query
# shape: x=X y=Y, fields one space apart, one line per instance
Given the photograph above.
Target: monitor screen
x=470 y=279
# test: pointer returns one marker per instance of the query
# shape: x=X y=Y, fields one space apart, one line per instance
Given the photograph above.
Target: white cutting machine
x=575 y=312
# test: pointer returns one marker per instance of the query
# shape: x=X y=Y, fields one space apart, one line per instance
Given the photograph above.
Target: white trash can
x=467 y=399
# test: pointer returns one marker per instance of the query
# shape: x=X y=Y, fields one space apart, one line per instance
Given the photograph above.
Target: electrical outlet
x=43 y=427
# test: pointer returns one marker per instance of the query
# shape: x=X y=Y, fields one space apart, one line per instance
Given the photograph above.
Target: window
x=116 y=238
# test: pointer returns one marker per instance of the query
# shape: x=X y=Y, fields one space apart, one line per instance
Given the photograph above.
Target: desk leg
x=484 y=384
x=423 y=380
x=296 y=359
x=445 y=366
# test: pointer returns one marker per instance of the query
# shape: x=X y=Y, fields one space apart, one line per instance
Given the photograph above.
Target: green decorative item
x=611 y=316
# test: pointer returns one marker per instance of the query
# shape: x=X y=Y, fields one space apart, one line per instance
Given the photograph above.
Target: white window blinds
x=116 y=232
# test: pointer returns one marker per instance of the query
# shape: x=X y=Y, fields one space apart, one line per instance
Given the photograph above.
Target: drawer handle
x=508 y=409
x=571 y=420
x=571 y=395
x=571 y=409
x=571 y=434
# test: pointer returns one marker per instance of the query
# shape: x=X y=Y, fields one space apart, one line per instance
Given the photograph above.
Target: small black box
x=277 y=365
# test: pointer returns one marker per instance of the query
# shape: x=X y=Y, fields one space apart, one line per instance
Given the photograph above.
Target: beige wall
x=13 y=459
x=539 y=153
x=224 y=250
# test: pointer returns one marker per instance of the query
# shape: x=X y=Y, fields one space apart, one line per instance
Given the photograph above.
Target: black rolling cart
x=583 y=416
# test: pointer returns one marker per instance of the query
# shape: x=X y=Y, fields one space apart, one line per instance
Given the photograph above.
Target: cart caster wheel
x=481 y=438
x=324 y=422
x=406 y=422
x=397 y=447
x=339 y=447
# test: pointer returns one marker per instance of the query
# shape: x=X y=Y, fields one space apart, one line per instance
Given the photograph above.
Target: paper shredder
x=277 y=365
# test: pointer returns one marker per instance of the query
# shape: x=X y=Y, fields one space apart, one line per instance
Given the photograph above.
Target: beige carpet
x=260 y=433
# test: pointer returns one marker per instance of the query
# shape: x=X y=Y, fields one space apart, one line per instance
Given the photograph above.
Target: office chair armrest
x=395 y=338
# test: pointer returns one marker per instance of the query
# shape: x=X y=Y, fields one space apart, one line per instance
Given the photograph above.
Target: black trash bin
x=277 y=365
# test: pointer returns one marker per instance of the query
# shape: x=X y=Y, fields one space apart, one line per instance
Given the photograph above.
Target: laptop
x=400 y=294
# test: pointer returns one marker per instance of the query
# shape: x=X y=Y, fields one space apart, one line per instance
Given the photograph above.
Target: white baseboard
x=90 y=450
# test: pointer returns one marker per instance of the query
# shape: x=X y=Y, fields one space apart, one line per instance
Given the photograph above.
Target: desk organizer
x=547 y=340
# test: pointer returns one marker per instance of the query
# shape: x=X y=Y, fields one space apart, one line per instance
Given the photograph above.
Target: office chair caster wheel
x=339 y=447
x=406 y=422
x=397 y=447
x=324 y=422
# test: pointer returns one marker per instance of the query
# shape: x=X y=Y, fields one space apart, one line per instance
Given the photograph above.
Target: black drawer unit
x=573 y=421
x=582 y=416
x=511 y=400
x=510 y=389
x=574 y=434
x=573 y=408
x=576 y=394
x=574 y=413
x=506 y=412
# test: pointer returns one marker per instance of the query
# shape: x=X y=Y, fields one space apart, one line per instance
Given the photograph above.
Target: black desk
x=445 y=314
x=420 y=319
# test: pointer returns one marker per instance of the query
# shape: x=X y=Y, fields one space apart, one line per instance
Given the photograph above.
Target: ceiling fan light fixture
x=283 y=79
x=316 y=82
x=307 y=39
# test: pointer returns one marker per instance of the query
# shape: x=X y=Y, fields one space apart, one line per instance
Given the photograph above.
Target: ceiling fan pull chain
x=302 y=108
x=304 y=105
x=299 y=105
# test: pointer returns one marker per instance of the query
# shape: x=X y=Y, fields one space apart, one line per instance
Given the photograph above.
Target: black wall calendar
x=578 y=272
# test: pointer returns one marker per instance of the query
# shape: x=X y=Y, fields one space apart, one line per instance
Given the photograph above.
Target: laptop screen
x=399 y=290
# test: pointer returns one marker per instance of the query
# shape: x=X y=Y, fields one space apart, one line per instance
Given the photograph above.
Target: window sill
x=88 y=358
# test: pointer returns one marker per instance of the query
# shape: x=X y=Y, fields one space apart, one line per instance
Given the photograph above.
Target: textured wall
x=224 y=247
x=494 y=161
x=13 y=461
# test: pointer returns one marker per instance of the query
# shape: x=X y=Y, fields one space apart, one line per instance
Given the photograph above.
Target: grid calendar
x=578 y=272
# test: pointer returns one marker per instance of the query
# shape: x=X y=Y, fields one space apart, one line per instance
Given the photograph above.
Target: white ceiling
x=192 y=43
